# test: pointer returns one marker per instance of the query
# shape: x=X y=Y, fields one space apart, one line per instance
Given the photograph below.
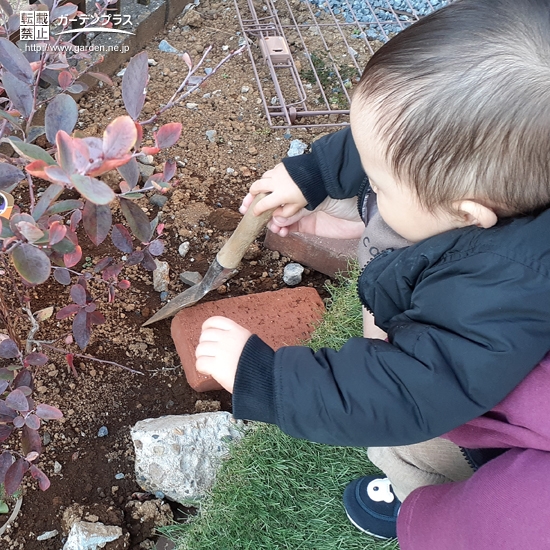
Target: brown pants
x=429 y=463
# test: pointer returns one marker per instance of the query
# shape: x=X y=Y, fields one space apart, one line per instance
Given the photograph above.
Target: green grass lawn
x=279 y=493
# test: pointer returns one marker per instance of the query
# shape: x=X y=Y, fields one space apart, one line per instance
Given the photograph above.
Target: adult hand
x=220 y=346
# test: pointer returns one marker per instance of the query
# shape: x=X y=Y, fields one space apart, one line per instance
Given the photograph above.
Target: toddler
x=448 y=160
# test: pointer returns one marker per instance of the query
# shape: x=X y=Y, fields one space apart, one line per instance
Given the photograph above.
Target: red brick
x=281 y=318
x=328 y=256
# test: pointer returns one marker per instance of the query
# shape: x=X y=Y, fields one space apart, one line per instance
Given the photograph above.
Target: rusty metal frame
x=292 y=100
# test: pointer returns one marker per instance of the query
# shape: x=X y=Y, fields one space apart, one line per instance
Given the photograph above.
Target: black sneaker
x=372 y=506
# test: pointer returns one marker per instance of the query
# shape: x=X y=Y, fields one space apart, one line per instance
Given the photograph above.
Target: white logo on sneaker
x=379 y=490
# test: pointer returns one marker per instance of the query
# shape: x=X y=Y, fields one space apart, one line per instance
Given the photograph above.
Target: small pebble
x=192 y=105
x=56 y=467
x=47 y=535
x=183 y=249
x=152 y=62
x=165 y=47
x=292 y=274
x=119 y=476
x=211 y=135
x=159 y=495
x=230 y=170
x=103 y=431
x=190 y=278
x=158 y=200
x=208 y=70
x=245 y=89
x=297 y=147
x=163 y=296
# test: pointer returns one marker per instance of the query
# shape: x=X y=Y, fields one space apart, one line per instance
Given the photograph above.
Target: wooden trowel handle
x=248 y=229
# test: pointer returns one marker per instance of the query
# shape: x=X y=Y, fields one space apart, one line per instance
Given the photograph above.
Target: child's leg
x=504 y=505
x=429 y=463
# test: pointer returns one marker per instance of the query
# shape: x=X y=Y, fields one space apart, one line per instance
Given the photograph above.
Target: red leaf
x=7 y=414
x=33 y=422
x=6 y=460
x=18 y=421
x=61 y=114
x=31 y=263
x=47 y=412
x=30 y=441
x=57 y=232
x=76 y=217
x=8 y=349
x=169 y=170
x=134 y=82
x=14 y=475
x=17 y=400
x=96 y=318
x=36 y=359
x=78 y=295
x=62 y=275
x=122 y=239
x=36 y=168
x=102 y=264
x=66 y=311
x=102 y=77
x=5 y=432
x=119 y=137
x=112 y=271
x=69 y=357
x=65 y=79
x=124 y=284
x=137 y=220
x=38 y=474
x=24 y=378
x=139 y=129
x=150 y=150
x=65 y=158
x=148 y=261
x=72 y=258
x=156 y=247
x=81 y=329
x=135 y=258
x=168 y=135
x=97 y=220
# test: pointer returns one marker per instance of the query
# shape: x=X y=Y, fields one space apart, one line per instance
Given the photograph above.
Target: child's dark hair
x=462 y=101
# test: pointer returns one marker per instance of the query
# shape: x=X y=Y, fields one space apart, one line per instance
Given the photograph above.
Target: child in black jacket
x=449 y=156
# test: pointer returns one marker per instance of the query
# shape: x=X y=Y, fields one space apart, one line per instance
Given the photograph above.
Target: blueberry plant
x=43 y=241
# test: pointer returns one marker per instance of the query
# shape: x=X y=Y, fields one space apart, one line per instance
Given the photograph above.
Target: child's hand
x=283 y=193
x=220 y=346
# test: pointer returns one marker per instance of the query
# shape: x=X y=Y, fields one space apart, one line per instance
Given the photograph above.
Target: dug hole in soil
x=202 y=209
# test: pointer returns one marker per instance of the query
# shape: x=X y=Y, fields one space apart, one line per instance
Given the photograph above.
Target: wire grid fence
x=307 y=55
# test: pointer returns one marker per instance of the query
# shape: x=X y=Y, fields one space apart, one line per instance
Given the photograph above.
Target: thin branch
x=172 y=102
x=90 y=357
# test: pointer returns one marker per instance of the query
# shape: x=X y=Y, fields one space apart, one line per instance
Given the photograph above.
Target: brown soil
x=202 y=210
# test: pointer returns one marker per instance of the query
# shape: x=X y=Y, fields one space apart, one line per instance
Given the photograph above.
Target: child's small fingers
x=207 y=349
x=218 y=322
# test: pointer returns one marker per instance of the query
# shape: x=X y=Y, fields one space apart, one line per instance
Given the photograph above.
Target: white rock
x=297 y=147
x=192 y=105
x=48 y=535
x=161 y=277
x=180 y=455
x=184 y=249
x=292 y=275
x=91 y=536
x=56 y=467
x=152 y=62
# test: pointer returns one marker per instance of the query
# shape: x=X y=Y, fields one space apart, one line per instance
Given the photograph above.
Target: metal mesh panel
x=307 y=55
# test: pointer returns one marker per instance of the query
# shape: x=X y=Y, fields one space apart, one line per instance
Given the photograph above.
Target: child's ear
x=475 y=213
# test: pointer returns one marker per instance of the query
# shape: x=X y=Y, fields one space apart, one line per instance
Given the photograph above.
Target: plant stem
x=83 y=356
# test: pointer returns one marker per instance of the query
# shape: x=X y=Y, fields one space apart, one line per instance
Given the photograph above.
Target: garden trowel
x=223 y=266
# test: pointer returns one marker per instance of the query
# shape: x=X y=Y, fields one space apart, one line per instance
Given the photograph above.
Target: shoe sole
x=364 y=530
